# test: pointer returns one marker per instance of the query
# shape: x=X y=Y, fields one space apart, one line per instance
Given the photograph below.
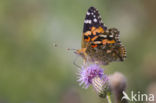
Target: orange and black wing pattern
x=93 y=27
x=99 y=43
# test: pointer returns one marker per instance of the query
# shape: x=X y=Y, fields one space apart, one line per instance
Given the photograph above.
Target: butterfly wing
x=93 y=26
x=118 y=49
x=99 y=44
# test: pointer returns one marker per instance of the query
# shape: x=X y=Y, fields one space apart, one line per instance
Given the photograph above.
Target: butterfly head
x=81 y=52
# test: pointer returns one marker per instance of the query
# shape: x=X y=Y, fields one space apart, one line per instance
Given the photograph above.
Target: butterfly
x=100 y=44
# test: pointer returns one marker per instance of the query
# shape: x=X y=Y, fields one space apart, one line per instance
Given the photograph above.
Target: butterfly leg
x=74 y=62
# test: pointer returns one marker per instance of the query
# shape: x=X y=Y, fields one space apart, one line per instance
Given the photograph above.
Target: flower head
x=87 y=74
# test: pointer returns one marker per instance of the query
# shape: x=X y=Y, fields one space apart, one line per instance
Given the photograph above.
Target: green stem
x=108 y=97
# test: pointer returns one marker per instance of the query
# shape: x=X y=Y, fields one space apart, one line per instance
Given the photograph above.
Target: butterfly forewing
x=93 y=26
x=92 y=19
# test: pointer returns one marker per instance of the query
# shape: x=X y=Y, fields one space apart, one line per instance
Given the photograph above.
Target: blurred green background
x=32 y=70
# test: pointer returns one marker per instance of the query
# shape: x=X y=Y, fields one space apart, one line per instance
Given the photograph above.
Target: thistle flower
x=94 y=75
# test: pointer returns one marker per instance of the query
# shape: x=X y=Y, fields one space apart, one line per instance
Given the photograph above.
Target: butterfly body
x=100 y=44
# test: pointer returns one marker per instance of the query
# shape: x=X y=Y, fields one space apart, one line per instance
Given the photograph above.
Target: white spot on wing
x=86 y=21
x=89 y=21
x=105 y=36
x=95 y=20
x=88 y=13
x=111 y=36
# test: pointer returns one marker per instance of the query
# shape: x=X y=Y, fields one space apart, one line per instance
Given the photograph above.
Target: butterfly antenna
x=71 y=49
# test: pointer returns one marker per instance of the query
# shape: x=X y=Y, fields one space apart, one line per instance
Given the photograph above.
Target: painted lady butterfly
x=100 y=44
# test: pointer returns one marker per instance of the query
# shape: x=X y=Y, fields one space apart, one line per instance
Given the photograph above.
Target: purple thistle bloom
x=87 y=74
